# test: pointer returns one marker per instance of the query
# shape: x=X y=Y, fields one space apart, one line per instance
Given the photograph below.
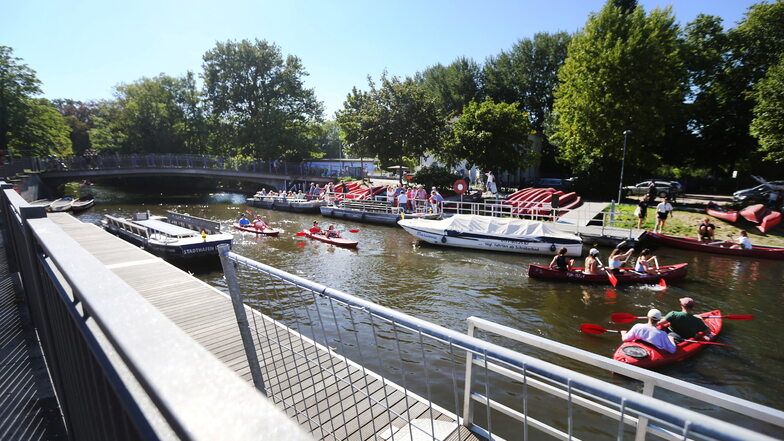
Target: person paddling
x=316 y=228
x=259 y=224
x=561 y=262
x=592 y=263
x=332 y=232
x=684 y=325
x=650 y=333
x=617 y=259
x=244 y=222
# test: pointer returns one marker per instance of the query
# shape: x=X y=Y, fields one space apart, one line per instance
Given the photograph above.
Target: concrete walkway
x=28 y=407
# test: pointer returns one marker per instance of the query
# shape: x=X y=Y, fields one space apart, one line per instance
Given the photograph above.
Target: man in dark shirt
x=705 y=231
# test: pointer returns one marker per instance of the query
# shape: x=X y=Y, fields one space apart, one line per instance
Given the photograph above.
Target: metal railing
x=121 y=370
x=298 y=328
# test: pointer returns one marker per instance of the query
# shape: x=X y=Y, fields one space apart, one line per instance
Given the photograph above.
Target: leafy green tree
x=328 y=137
x=493 y=136
x=527 y=74
x=395 y=122
x=623 y=72
x=259 y=99
x=80 y=118
x=43 y=133
x=18 y=84
x=436 y=176
x=453 y=86
x=768 y=123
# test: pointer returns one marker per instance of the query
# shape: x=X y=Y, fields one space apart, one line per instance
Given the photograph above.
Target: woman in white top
x=662 y=211
x=743 y=241
x=617 y=259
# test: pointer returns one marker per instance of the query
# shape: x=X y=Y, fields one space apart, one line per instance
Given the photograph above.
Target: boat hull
x=770 y=221
x=694 y=244
x=375 y=217
x=754 y=213
x=82 y=204
x=443 y=238
x=721 y=213
x=60 y=205
x=655 y=357
x=283 y=204
x=266 y=231
x=339 y=241
x=668 y=272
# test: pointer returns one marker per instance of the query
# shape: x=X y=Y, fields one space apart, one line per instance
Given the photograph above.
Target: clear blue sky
x=82 y=48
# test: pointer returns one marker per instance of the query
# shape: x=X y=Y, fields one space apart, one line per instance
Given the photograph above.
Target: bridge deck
x=28 y=407
x=320 y=399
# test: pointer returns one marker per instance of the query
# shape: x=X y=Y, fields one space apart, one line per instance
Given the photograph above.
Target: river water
x=447 y=285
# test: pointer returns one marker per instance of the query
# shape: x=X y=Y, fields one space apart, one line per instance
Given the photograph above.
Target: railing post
x=242 y=318
x=468 y=407
x=642 y=422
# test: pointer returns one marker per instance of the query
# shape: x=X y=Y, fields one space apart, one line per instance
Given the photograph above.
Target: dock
x=324 y=399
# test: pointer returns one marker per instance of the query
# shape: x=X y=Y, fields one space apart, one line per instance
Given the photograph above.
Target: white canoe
x=62 y=204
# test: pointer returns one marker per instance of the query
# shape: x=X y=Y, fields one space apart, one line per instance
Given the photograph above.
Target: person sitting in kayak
x=617 y=259
x=742 y=242
x=648 y=332
x=592 y=263
x=683 y=324
x=644 y=262
x=705 y=231
x=332 y=232
x=560 y=261
x=259 y=224
x=316 y=228
x=244 y=222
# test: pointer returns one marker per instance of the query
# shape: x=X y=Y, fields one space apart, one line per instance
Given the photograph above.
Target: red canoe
x=644 y=355
x=722 y=213
x=754 y=213
x=668 y=272
x=696 y=245
x=333 y=240
x=252 y=229
x=770 y=221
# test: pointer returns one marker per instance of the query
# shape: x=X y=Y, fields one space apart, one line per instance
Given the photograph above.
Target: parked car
x=556 y=183
x=663 y=188
x=755 y=194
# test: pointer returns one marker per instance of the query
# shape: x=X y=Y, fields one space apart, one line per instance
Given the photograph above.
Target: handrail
x=627 y=400
x=198 y=396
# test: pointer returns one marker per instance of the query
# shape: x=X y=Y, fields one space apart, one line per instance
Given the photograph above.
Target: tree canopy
x=453 y=86
x=768 y=123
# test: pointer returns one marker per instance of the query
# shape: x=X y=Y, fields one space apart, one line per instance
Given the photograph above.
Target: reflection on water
x=445 y=286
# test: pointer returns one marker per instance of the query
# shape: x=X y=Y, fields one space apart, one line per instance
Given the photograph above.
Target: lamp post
x=626 y=134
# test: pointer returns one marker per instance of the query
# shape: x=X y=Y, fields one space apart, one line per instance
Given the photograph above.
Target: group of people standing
x=410 y=198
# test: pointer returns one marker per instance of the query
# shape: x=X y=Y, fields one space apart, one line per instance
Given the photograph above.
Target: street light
x=626 y=134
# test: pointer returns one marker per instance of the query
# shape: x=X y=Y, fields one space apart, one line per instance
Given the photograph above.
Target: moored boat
x=720 y=212
x=252 y=229
x=62 y=204
x=45 y=203
x=628 y=276
x=770 y=221
x=644 y=355
x=83 y=203
x=767 y=252
x=332 y=240
x=493 y=234
x=175 y=236
x=286 y=204
x=754 y=213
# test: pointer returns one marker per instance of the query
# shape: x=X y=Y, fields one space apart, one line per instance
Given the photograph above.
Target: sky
x=81 y=49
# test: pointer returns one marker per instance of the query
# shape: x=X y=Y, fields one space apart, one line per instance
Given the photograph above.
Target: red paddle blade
x=663 y=283
x=622 y=317
x=301 y=244
x=613 y=279
x=301 y=233
x=590 y=328
x=353 y=231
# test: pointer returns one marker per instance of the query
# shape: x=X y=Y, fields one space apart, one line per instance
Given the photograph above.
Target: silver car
x=663 y=188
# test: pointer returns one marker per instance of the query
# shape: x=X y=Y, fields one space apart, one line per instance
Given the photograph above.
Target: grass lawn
x=684 y=223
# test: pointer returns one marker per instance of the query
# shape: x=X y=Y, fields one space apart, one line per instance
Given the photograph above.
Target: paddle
x=353 y=231
x=301 y=234
x=662 y=282
x=611 y=276
x=622 y=317
x=591 y=328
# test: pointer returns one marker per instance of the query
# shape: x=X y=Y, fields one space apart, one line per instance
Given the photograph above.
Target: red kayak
x=696 y=245
x=722 y=213
x=667 y=272
x=252 y=229
x=770 y=221
x=333 y=240
x=643 y=354
x=754 y=213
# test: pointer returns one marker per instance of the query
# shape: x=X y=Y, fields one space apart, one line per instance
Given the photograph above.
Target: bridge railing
x=120 y=369
x=436 y=367
x=166 y=160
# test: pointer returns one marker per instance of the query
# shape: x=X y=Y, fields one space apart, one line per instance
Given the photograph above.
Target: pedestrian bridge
x=138 y=349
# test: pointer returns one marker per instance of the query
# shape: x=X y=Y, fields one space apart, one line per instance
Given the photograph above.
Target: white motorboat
x=494 y=234
x=175 y=236
x=62 y=204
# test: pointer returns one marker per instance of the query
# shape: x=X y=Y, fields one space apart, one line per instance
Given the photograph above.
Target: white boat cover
x=494 y=226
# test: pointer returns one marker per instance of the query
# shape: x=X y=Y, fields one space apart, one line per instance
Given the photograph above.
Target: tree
x=395 y=122
x=493 y=136
x=453 y=86
x=527 y=74
x=259 y=99
x=43 y=133
x=768 y=123
x=623 y=72
x=80 y=118
x=18 y=84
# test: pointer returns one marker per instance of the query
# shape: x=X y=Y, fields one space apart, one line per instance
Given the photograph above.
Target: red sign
x=460 y=186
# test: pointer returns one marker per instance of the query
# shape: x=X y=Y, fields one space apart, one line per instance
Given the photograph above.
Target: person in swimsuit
x=705 y=231
x=592 y=263
x=644 y=261
x=617 y=259
x=561 y=262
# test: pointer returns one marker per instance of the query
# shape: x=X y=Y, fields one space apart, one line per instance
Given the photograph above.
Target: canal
x=446 y=285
